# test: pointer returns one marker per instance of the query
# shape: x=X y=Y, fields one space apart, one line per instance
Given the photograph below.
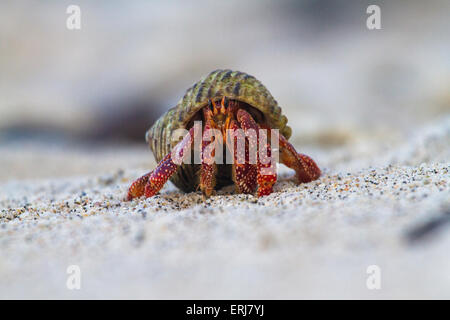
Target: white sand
x=315 y=240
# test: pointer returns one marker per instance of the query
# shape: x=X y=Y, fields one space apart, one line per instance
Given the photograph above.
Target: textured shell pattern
x=233 y=84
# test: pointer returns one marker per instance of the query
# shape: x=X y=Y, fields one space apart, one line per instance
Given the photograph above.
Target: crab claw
x=137 y=188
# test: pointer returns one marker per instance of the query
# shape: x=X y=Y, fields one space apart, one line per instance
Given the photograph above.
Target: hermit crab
x=240 y=111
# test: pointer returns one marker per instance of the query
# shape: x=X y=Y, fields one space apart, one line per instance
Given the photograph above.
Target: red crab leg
x=150 y=183
x=266 y=170
x=209 y=168
x=244 y=174
x=305 y=167
x=138 y=186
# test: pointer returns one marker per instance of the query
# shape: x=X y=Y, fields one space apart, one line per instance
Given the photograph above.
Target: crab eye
x=225 y=102
x=210 y=105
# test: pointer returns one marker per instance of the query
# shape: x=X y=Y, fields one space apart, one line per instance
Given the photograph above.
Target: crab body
x=229 y=102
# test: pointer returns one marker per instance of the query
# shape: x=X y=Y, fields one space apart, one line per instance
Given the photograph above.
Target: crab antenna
x=224 y=105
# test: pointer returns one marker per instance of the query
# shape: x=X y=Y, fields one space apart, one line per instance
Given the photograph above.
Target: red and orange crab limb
x=150 y=183
x=244 y=173
x=209 y=167
x=305 y=167
x=266 y=169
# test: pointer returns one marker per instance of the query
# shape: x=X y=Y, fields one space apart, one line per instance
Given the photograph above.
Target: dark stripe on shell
x=199 y=92
x=236 y=89
x=227 y=75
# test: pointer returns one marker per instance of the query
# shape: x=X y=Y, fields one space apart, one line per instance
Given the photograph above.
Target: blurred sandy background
x=76 y=104
x=109 y=81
